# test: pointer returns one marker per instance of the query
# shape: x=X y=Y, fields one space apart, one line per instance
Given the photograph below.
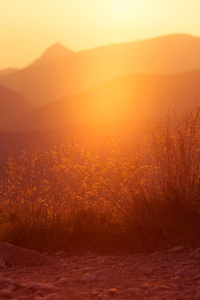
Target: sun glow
x=125 y=9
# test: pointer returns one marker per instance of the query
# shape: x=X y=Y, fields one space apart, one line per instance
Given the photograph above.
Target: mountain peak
x=54 y=52
x=57 y=48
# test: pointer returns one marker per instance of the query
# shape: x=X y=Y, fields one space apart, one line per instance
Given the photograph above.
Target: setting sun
x=123 y=8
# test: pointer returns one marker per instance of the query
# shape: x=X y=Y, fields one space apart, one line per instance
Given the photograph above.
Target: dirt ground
x=168 y=274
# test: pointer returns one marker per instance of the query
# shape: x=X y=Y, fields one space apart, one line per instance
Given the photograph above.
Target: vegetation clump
x=75 y=195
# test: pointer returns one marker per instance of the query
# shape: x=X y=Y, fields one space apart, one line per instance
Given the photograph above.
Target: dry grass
x=73 y=193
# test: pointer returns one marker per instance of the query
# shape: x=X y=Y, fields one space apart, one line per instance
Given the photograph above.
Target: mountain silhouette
x=63 y=75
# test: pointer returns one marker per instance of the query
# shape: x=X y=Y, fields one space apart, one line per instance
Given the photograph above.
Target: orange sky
x=27 y=28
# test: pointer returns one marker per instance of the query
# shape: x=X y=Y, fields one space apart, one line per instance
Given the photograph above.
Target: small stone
x=175 y=278
x=88 y=278
x=89 y=254
x=40 y=286
x=197 y=277
x=39 y=297
x=103 y=297
x=101 y=275
x=121 y=265
x=6 y=283
x=62 y=254
x=63 y=282
x=148 y=271
x=40 y=294
x=11 y=288
x=46 y=253
x=105 y=272
x=164 y=287
x=6 y=294
x=176 y=249
x=195 y=254
x=111 y=292
x=95 y=293
x=2 y=264
x=56 y=297
x=183 y=272
x=88 y=269
x=14 y=256
x=145 y=286
x=75 y=259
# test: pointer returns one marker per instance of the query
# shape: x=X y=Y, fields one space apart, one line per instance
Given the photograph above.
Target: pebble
x=195 y=254
x=6 y=294
x=183 y=272
x=17 y=256
x=39 y=286
x=88 y=278
x=62 y=254
x=2 y=264
x=75 y=258
x=8 y=283
x=176 y=249
x=63 y=282
x=111 y=291
x=148 y=271
x=145 y=286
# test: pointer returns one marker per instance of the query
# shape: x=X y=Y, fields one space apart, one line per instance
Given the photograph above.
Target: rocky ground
x=168 y=274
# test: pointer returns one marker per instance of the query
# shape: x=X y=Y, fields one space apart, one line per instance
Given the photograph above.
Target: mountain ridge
x=71 y=74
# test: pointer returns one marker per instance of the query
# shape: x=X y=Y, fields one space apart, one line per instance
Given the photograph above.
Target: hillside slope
x=118 y=101
x=12 y=106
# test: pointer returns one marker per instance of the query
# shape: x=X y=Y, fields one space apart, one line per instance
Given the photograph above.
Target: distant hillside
x=117 y=102
x=70 y=73
x=12 y=106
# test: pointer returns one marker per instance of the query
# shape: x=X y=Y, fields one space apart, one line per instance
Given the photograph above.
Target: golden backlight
x=109 y=108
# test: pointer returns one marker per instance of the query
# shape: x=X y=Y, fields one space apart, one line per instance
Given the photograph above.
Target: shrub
x=73 y=191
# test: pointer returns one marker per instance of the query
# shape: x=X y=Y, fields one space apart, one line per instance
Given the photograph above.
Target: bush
x=75 y=192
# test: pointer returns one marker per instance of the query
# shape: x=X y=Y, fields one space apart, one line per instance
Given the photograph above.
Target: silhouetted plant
x=74 y=190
